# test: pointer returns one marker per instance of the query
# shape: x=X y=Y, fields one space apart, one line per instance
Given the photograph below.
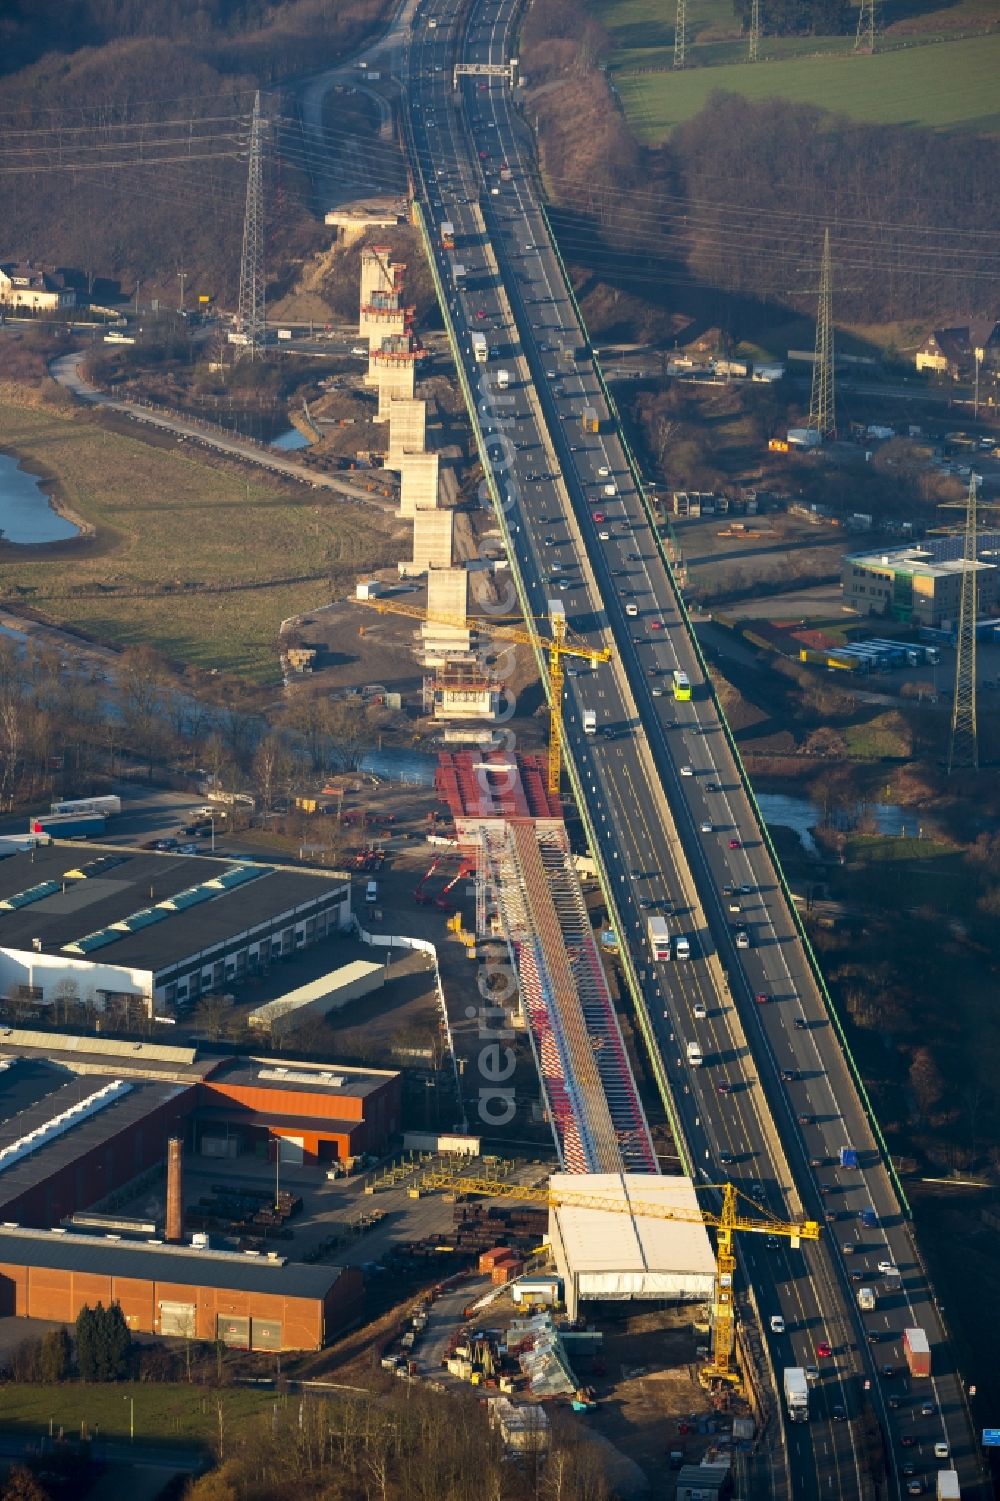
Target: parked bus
x=682 y=684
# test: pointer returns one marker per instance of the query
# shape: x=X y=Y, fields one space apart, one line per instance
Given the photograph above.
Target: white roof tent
x=614 y=1255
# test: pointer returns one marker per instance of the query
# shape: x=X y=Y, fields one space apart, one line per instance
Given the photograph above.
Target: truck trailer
x=447 y=235
x=948 y=1488
x=109 y=805
x=916 y=1348
x=848 y=1157
x=796 y=1394
x=589 y=421
x=69 y=825
x=480 y=348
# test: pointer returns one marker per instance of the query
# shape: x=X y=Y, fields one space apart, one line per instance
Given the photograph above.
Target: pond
x=290 y=440
x=26 y=514
x=802 y=816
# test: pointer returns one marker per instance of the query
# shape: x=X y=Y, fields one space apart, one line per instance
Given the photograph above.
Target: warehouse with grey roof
x=150 y=929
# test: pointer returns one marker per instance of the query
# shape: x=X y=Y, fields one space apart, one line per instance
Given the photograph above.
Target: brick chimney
x=175 y=1190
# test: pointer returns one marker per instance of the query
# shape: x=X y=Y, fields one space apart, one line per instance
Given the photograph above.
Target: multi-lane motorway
x=672 y=820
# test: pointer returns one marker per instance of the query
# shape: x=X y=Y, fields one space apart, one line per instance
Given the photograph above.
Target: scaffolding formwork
x=590 y=1093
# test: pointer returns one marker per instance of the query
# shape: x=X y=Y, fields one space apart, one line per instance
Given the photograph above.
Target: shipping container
x=69 y=825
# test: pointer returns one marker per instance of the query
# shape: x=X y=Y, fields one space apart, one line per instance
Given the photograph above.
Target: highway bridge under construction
x=528 y=893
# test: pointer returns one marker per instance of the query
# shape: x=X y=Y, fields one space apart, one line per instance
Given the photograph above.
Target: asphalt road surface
x=675 y=827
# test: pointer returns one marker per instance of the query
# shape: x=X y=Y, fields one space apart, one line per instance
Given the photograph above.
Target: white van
x=371 y=891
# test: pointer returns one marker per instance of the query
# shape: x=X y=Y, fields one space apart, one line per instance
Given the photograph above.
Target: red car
x=762 y=998
x=598 y=515
x=656 y=625
x=734 y=844
x=823 y=1349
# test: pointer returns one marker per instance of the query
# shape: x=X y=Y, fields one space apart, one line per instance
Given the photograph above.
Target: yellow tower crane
x=555 y=645
x=726 y=1224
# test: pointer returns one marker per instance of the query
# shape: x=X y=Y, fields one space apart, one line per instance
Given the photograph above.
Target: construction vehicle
x=556 y=646
x=728 y=1222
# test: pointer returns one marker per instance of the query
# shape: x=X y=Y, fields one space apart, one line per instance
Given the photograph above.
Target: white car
x=604 y=536
x=706 y=827
x=632 y=610
x=700 y=1011
x=687 y=771
x=887 y=1269
x=941 y=1450
x=777 y=1324
x=360 y=349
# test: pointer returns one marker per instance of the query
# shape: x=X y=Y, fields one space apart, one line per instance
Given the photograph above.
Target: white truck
x=590 y=721
x=948 y=1488
x=682 y=947
x=502 y=379
x=796 y=1394
x=866 y=1299
x=480 y=348
x=659 y=937
x=694 y=1054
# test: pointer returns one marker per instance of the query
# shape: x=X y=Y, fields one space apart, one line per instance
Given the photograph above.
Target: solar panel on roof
x=190 y=897
x=95 y=867
x=92 y=941
x=32 y=894
x=238 y=875
x=136 y=921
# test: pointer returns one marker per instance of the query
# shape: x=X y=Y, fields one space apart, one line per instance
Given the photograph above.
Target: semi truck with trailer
x=948 y=1488
x=796 y=1394
x=589 y=420
x=480 y=348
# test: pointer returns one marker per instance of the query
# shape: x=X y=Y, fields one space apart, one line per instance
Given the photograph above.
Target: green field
x=189 y=557
x=174 y=1413
x=947 y=85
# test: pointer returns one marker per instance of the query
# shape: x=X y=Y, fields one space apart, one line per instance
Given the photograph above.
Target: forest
x=126 y=131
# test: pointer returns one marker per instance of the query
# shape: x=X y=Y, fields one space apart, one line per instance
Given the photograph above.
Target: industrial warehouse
x=153 y=930
x=81 y=1118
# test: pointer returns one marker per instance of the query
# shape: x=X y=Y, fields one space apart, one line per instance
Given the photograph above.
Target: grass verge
x=190 y=557
x=174 y=1413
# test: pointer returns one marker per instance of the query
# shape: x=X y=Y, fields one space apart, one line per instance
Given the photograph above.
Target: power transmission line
x=963 y=744
x=754 y=31
x=867 y=34
x=250 y=321
x=822 y=416
x=680 y=35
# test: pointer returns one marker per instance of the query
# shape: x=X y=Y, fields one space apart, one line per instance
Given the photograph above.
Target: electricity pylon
x=822 y=416
x=754 y=31
x=250 y=316
x=963 y=745
x=867 y=26
x=680 y=34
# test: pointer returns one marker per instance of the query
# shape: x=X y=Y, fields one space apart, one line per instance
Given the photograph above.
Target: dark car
x=888 y=1371
x=895 y=1402
x=908 y=1441
x=839 y=1413
x=789 y=1075
x=723 y=1087
x=727 y=1159
x=800 y=1024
